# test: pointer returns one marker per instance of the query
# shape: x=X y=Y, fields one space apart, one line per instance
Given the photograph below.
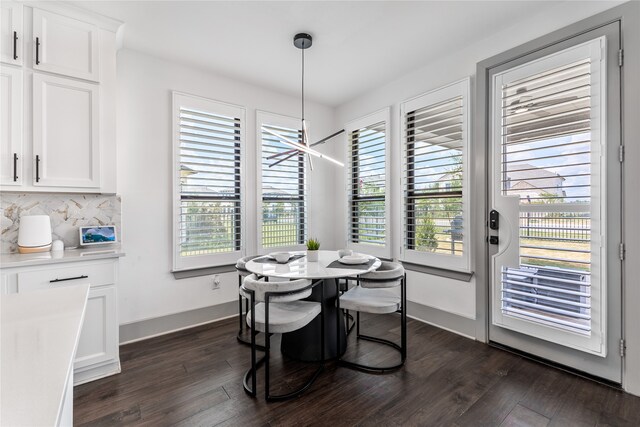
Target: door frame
x=627 y=15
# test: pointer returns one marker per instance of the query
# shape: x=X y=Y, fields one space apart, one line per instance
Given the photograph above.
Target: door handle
x=15 y=45
x=37 y=50
x=15 y=167
x=69 y=278
x=494 y=220
x=37 y=168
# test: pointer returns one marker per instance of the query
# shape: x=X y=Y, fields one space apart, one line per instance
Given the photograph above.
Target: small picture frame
x=97 y=235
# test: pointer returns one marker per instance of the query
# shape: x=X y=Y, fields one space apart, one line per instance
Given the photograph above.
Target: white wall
x=445 y=294
x=147 y=289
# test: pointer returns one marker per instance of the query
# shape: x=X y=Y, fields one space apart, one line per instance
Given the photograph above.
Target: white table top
x=40 y=333
x=303 y=269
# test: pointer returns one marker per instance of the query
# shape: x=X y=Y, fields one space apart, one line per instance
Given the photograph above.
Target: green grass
x=274 y=234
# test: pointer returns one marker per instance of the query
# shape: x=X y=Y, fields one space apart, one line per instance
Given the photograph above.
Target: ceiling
x=357 y=45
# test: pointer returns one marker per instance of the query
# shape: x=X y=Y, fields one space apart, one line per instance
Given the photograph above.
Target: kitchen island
x=40 y=333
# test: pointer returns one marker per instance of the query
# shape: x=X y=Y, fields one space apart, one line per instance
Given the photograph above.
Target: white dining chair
x=276 y=308
x=373 y=294
x=241 y=268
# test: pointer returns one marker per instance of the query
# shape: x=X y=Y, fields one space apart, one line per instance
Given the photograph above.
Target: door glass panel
x=546 y=162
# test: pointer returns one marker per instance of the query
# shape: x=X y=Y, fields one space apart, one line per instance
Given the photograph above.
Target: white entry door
x=555 y=198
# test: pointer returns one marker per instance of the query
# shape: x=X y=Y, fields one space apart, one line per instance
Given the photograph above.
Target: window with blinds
x=208 y=163
x=548 y=162
x=284 y=212
x=367 y=184
x=436 y=140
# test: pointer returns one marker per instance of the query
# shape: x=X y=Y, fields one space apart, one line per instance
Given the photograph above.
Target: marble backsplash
x=67 y=212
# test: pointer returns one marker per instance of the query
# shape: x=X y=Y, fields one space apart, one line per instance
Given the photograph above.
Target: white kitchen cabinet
x=99 y=338
x=97 y=354
x=11 y=34
x=66 y=147
x=65 y=45
x=10 y=126
x=66 y=142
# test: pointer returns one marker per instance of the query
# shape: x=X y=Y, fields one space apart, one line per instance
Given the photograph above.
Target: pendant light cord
x=302 y=85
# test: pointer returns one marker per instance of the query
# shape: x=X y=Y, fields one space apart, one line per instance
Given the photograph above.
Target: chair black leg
x=240 y=337
x=253 y=343
x=267 y=347
x=402 y=348
x=240 y=306
x=314 y=376
x=347 y=315
x=403 y=317
x=338 y=323
x=255 y=364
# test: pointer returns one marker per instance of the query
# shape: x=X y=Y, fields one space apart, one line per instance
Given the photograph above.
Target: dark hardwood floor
x=194 y=378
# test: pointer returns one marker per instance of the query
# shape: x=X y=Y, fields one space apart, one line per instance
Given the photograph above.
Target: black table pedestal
x=304 y=344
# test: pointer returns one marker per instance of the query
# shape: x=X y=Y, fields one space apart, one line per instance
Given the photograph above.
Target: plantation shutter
x=367 y=185
x=208 y=155
x=436 y=137
x=284 y=211
x=546 y=125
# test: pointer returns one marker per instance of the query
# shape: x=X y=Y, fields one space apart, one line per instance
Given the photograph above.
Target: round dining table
x=304 y=344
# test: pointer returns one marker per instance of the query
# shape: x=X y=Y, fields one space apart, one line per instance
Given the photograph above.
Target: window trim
x=265 y=117
x=178 y=100
x=382 y=115
x=460 y=88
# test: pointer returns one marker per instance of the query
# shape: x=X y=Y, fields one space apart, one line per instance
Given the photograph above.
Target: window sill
x=441 y=272
x=203 y=271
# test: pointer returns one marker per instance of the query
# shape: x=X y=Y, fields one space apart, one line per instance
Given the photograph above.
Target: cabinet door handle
x=15 y=167
x=68 y=278
x=37 y=168
x=37 y=50
x=15 y=45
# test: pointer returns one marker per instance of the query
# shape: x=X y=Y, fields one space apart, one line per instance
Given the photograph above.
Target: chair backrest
x=388 y=275
x=260 y=287
x=241 y=264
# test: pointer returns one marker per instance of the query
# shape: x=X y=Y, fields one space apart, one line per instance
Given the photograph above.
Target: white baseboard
x=444 y=320
x=149 y=328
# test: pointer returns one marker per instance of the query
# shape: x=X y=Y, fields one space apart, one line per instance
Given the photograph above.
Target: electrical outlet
x=216 y=283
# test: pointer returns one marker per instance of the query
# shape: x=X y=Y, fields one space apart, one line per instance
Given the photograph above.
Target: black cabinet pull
x=68 y=278
x=37 y=168
x=15 y=167
x=15 y=45
x=37 y=50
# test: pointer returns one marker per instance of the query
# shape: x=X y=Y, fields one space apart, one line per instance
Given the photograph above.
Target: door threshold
x=559 y=366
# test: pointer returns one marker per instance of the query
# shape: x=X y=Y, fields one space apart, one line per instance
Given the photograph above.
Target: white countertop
x=40 y=333
x=69 y=255
x=303 y=269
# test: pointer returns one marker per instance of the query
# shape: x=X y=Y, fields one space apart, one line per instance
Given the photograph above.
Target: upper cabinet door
x=10 y=126
x=64 y=45
x=11 y=33
x=66 y=150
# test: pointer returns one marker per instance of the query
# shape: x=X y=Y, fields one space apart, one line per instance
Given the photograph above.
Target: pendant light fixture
x=302 y=41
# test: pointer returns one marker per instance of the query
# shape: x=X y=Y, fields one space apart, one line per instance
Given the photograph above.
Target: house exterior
x=526 y=180
x=531 y=181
